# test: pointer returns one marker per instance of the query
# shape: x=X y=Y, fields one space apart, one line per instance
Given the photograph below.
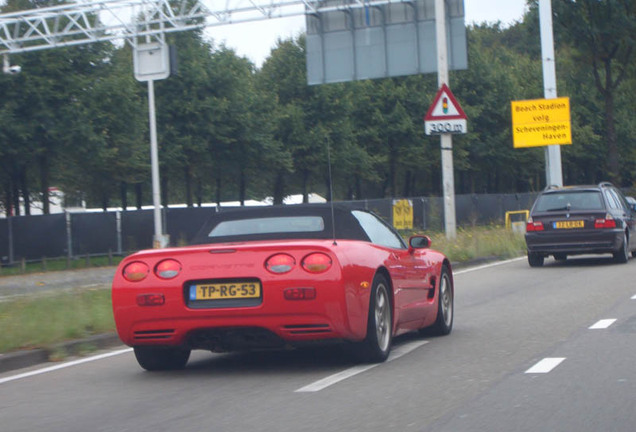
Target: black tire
x=560 y=257
x=376 y=346
x=535 y=259
x=621 y=256
x=445 y=306
x=161 y=358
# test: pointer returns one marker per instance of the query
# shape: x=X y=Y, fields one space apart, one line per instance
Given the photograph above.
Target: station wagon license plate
x=224 y=291
x=568 y=224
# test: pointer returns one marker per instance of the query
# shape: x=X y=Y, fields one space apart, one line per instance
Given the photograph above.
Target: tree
x=45 y=98
x=242 y=133
x=108 y=150
x=602 y=34
x=13 y=158
x=186 y=116
x=283 y=77
x=496 y=75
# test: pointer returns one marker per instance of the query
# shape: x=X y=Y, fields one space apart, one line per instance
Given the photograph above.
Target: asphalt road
x=546 y=349
x=38 y=283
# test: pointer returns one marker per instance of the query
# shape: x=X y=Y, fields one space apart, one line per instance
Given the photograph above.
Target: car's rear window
x=580 y=200
x=293 y=224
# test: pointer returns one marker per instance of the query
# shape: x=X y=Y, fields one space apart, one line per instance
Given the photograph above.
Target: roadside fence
x=77 y=235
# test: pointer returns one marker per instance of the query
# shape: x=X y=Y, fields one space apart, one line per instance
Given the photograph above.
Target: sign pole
x=152 y=62
x=446 y=139
x=160 y=241
x=553 y=172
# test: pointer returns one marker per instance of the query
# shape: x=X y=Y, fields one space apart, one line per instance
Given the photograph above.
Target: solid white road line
x=486 y=266
x=64 y=365
x=546 y=365
x=348 y=373
x=602 y=324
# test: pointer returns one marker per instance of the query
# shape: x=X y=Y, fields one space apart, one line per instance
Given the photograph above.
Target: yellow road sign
x=403 y=214
x=541 y=122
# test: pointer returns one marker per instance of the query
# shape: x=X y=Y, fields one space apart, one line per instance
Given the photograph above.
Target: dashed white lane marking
x=546 y=365
x=485 y=266
x=634 y=297
x=64 y=365
x=348 y=373
x=602 y=324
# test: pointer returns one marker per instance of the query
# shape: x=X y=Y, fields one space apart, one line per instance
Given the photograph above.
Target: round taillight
x=136 y=271
x=316 y=262
x=280 y=263
x=167 y=269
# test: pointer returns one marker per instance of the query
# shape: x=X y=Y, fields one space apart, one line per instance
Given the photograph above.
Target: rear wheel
x=622 y=255
x=535 y=259
x=377 y=345
x=161 y=358
x=445 y=306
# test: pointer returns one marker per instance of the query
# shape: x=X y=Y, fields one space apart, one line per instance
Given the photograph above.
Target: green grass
x=480 y=242
x=476 y=242
x=43 y=320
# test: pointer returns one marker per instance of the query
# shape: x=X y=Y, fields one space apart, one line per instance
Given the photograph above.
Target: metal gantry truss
x=85 y=21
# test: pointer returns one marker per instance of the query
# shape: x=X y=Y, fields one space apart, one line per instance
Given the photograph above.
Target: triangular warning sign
x=445 y=106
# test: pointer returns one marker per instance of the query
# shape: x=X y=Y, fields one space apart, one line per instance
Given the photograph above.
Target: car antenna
x=333 y=217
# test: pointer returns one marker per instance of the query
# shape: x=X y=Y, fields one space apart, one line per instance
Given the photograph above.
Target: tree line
x=77 y=119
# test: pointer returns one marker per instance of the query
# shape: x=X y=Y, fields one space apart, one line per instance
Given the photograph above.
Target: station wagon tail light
x=280 y=263
x=136 y=271
x=534 y=226
x=316 y=263
x=168 y=269
x=608 y=222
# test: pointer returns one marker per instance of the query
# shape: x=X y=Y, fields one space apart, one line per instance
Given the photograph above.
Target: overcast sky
x=256 y=39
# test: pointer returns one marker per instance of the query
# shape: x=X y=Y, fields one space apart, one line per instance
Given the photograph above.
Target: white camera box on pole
x=151 y=61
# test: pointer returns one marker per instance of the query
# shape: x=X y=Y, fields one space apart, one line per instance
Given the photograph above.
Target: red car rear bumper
x=337 y=312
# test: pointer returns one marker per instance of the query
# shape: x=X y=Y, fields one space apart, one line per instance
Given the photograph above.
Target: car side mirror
x=632 y=203
x=419 y=242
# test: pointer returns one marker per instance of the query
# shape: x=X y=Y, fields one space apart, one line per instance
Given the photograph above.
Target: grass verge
x=480 y=242
x=43 y=320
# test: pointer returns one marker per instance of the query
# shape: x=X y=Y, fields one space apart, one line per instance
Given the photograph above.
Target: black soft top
x=347 y=226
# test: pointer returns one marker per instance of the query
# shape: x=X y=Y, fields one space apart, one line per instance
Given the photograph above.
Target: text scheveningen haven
x=550 y=131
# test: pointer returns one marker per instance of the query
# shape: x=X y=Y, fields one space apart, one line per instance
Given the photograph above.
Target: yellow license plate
x=568 y=224
x=226 y=290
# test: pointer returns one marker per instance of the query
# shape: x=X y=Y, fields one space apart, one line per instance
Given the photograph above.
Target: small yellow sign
x=541 y=122
x=403 y=214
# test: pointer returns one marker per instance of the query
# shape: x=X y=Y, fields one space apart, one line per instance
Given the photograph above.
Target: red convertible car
x=273 y=277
